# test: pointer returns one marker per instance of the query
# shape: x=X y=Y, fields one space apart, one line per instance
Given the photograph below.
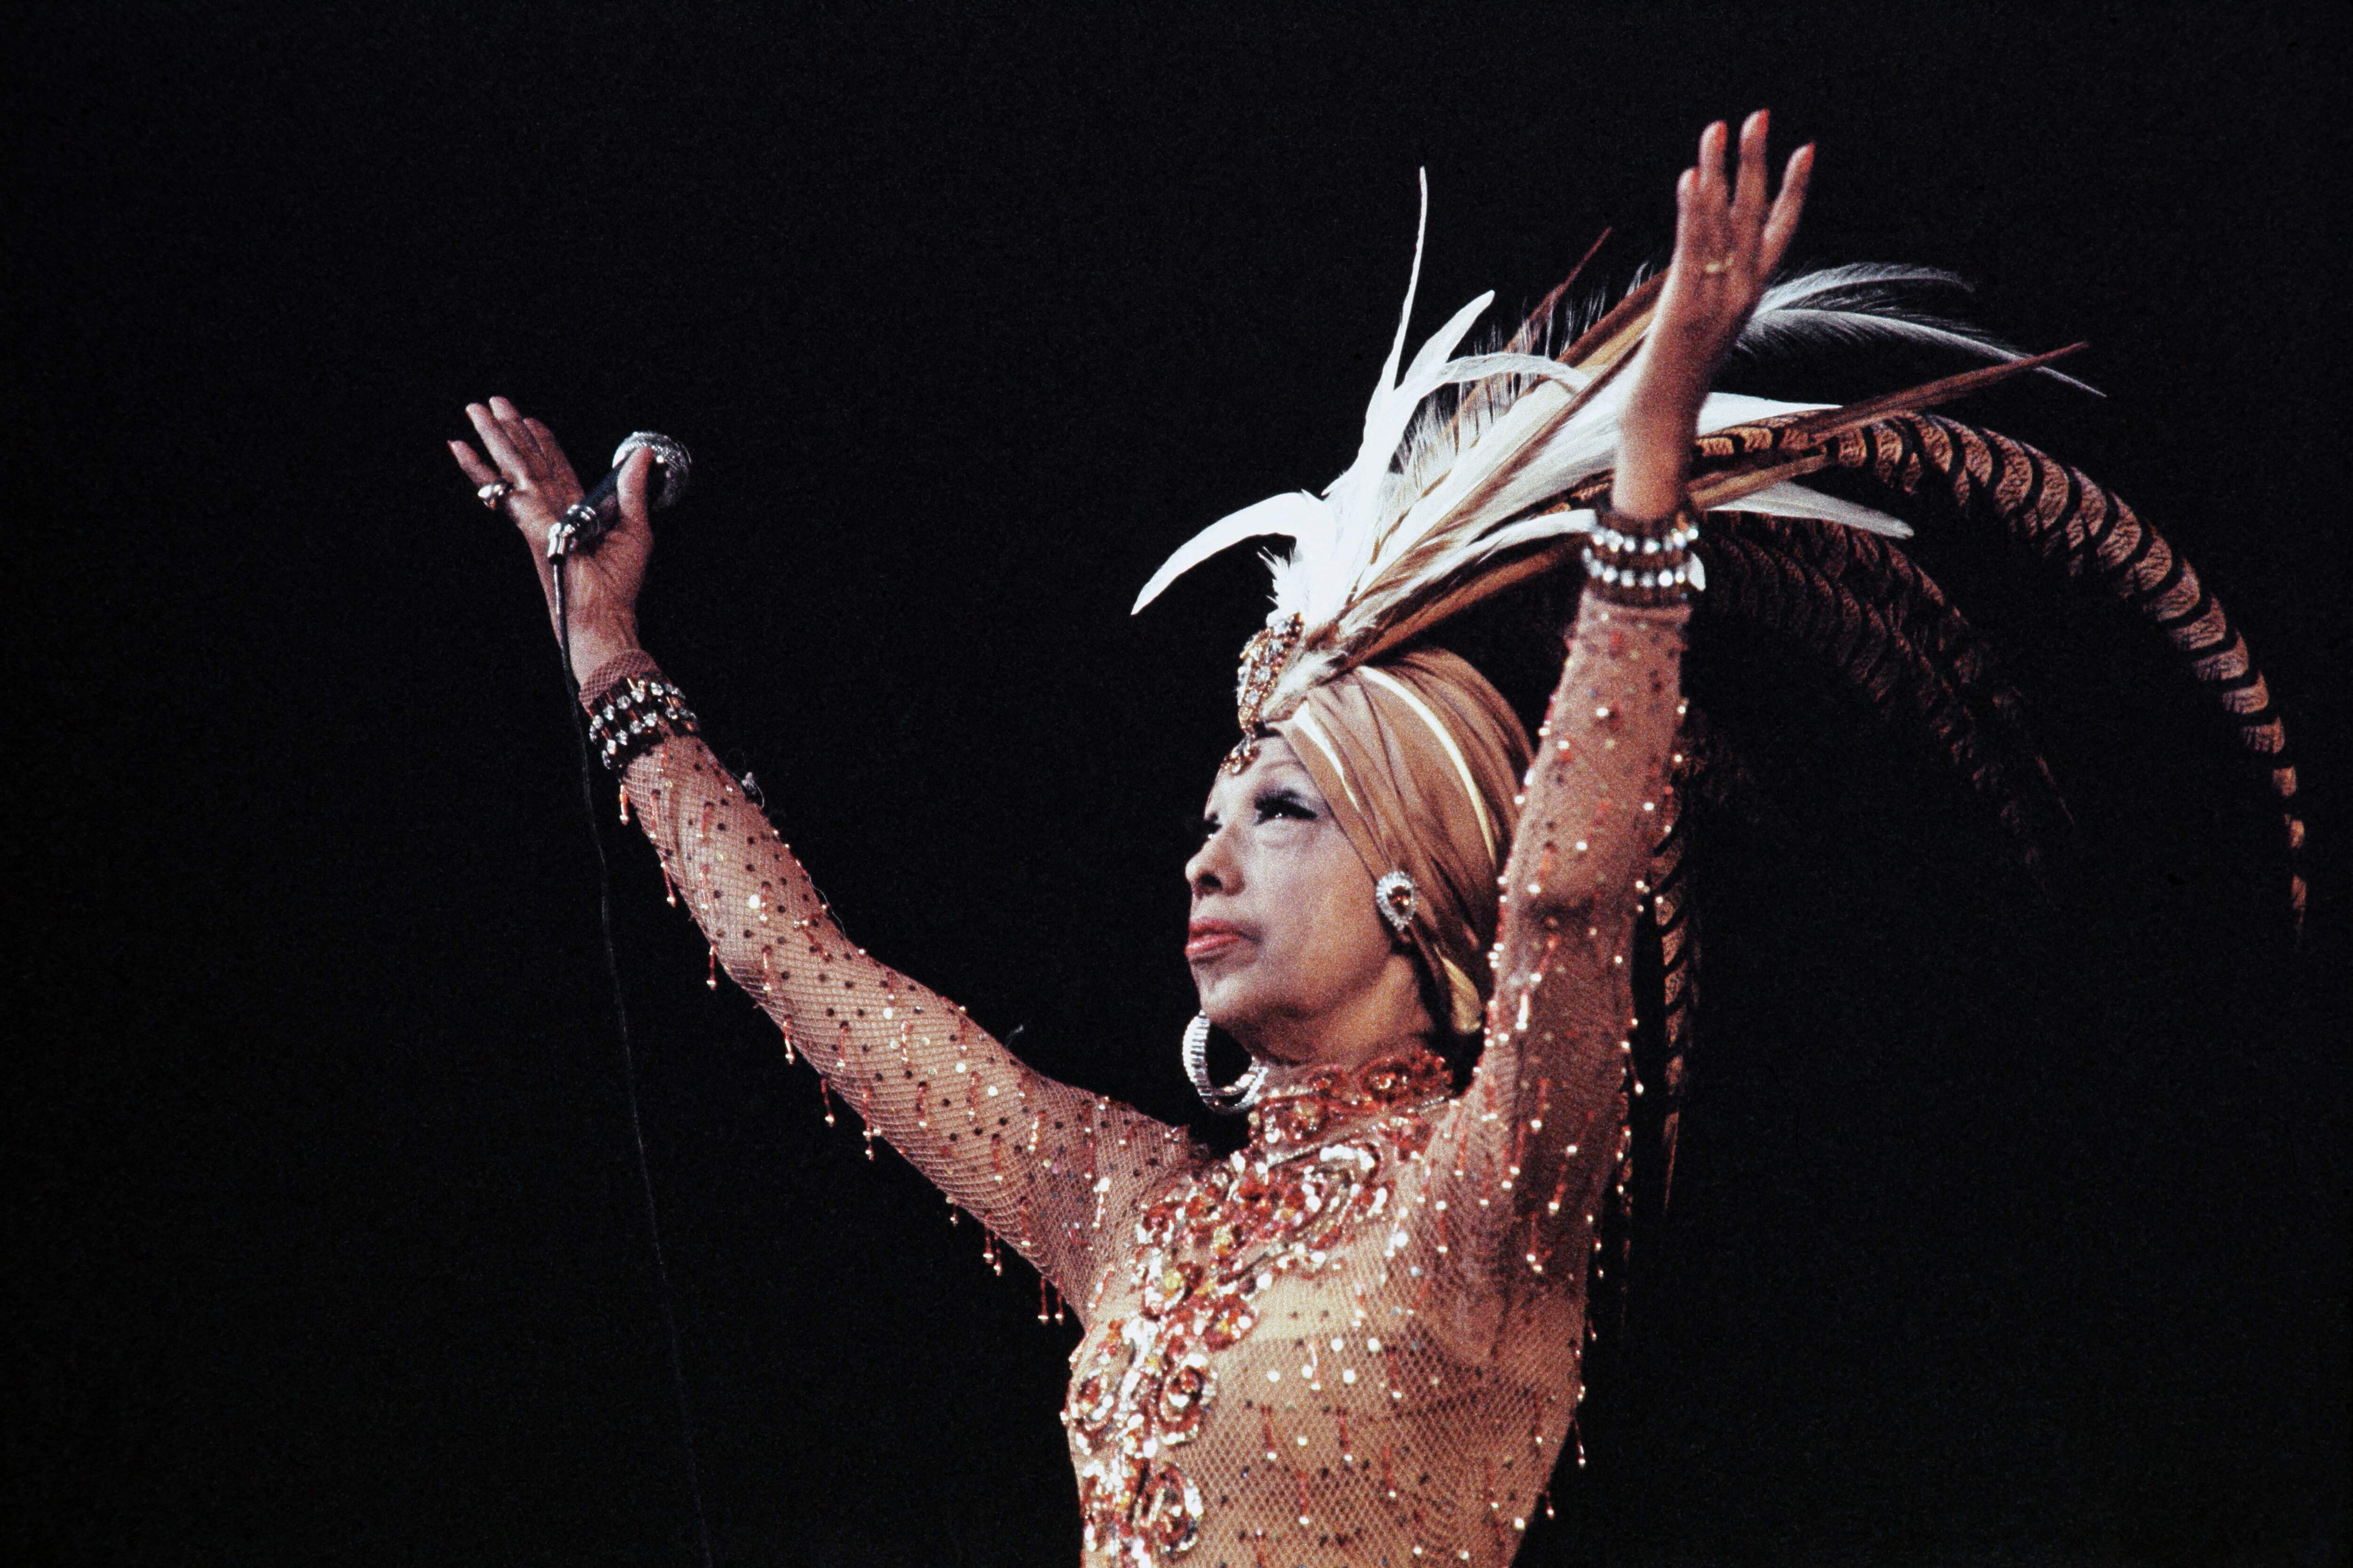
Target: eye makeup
x=1275 y=801
x=1283 y=801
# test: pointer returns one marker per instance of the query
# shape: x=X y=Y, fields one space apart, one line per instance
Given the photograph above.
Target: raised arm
x=1047 y=1167
x=1525 y=1161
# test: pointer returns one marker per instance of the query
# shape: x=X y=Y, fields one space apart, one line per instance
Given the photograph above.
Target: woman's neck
x=1384 y=1019
x=1347 y=1055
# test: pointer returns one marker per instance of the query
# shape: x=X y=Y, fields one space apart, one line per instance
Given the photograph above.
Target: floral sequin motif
x=1143 y=1384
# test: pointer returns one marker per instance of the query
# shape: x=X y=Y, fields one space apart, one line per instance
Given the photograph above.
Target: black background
x=2009 y=1228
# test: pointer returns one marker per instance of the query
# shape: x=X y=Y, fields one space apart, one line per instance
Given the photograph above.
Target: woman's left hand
x=1729 y=240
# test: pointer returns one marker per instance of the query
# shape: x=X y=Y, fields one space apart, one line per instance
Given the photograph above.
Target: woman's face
x=1286 y=946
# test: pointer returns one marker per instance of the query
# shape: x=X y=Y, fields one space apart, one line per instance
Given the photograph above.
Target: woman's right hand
x=601 y=587
x=1729 y=241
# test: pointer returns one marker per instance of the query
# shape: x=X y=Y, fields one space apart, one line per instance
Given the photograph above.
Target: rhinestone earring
x=1398 y=900
x=1236 y=1097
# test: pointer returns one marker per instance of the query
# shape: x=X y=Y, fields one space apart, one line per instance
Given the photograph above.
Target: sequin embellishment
x=1143 y=1384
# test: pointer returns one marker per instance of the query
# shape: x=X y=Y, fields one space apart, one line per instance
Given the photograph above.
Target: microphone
x=594 y=515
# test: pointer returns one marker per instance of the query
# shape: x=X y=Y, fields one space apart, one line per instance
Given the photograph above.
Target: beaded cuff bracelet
x=1632 y=566
x=639 y=714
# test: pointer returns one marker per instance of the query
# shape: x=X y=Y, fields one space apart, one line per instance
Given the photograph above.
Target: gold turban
x=1420 y=758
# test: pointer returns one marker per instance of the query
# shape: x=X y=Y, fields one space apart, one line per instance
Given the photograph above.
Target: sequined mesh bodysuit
x=1358 y=1339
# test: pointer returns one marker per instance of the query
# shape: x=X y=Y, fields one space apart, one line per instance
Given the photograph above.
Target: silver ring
x=1721 y=264
x=494 y=494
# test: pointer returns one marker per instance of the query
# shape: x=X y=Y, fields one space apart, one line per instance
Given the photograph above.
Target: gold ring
x=1722 y=264
x=493 y=493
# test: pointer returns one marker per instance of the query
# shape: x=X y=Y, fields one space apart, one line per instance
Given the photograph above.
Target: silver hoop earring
x=1236 y=1097
x=1398 y=900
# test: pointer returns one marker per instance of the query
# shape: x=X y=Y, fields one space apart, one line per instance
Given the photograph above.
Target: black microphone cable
x=561 y=557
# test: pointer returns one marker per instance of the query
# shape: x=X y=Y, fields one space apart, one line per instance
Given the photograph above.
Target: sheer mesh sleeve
x=1520 y=1169
x=1055 y=1171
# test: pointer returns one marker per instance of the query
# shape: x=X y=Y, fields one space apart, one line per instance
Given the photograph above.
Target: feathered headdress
x=1480 y=471
x=1450 y=497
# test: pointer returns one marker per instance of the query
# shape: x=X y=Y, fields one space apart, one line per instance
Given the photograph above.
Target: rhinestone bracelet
x=1629 y=564
x=637 y=716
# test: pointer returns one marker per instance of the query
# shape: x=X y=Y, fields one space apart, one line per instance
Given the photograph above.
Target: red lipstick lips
x=1211 y=938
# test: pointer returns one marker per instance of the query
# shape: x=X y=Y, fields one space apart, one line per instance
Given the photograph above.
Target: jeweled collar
x=1299 y=1117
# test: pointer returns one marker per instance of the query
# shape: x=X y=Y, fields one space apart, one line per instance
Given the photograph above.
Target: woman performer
x=1358 y=1339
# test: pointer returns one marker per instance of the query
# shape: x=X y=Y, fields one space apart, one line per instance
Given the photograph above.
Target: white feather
x=1294 y=515
x=1790 y=498
x=1868 y=302
x=1723 y=410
